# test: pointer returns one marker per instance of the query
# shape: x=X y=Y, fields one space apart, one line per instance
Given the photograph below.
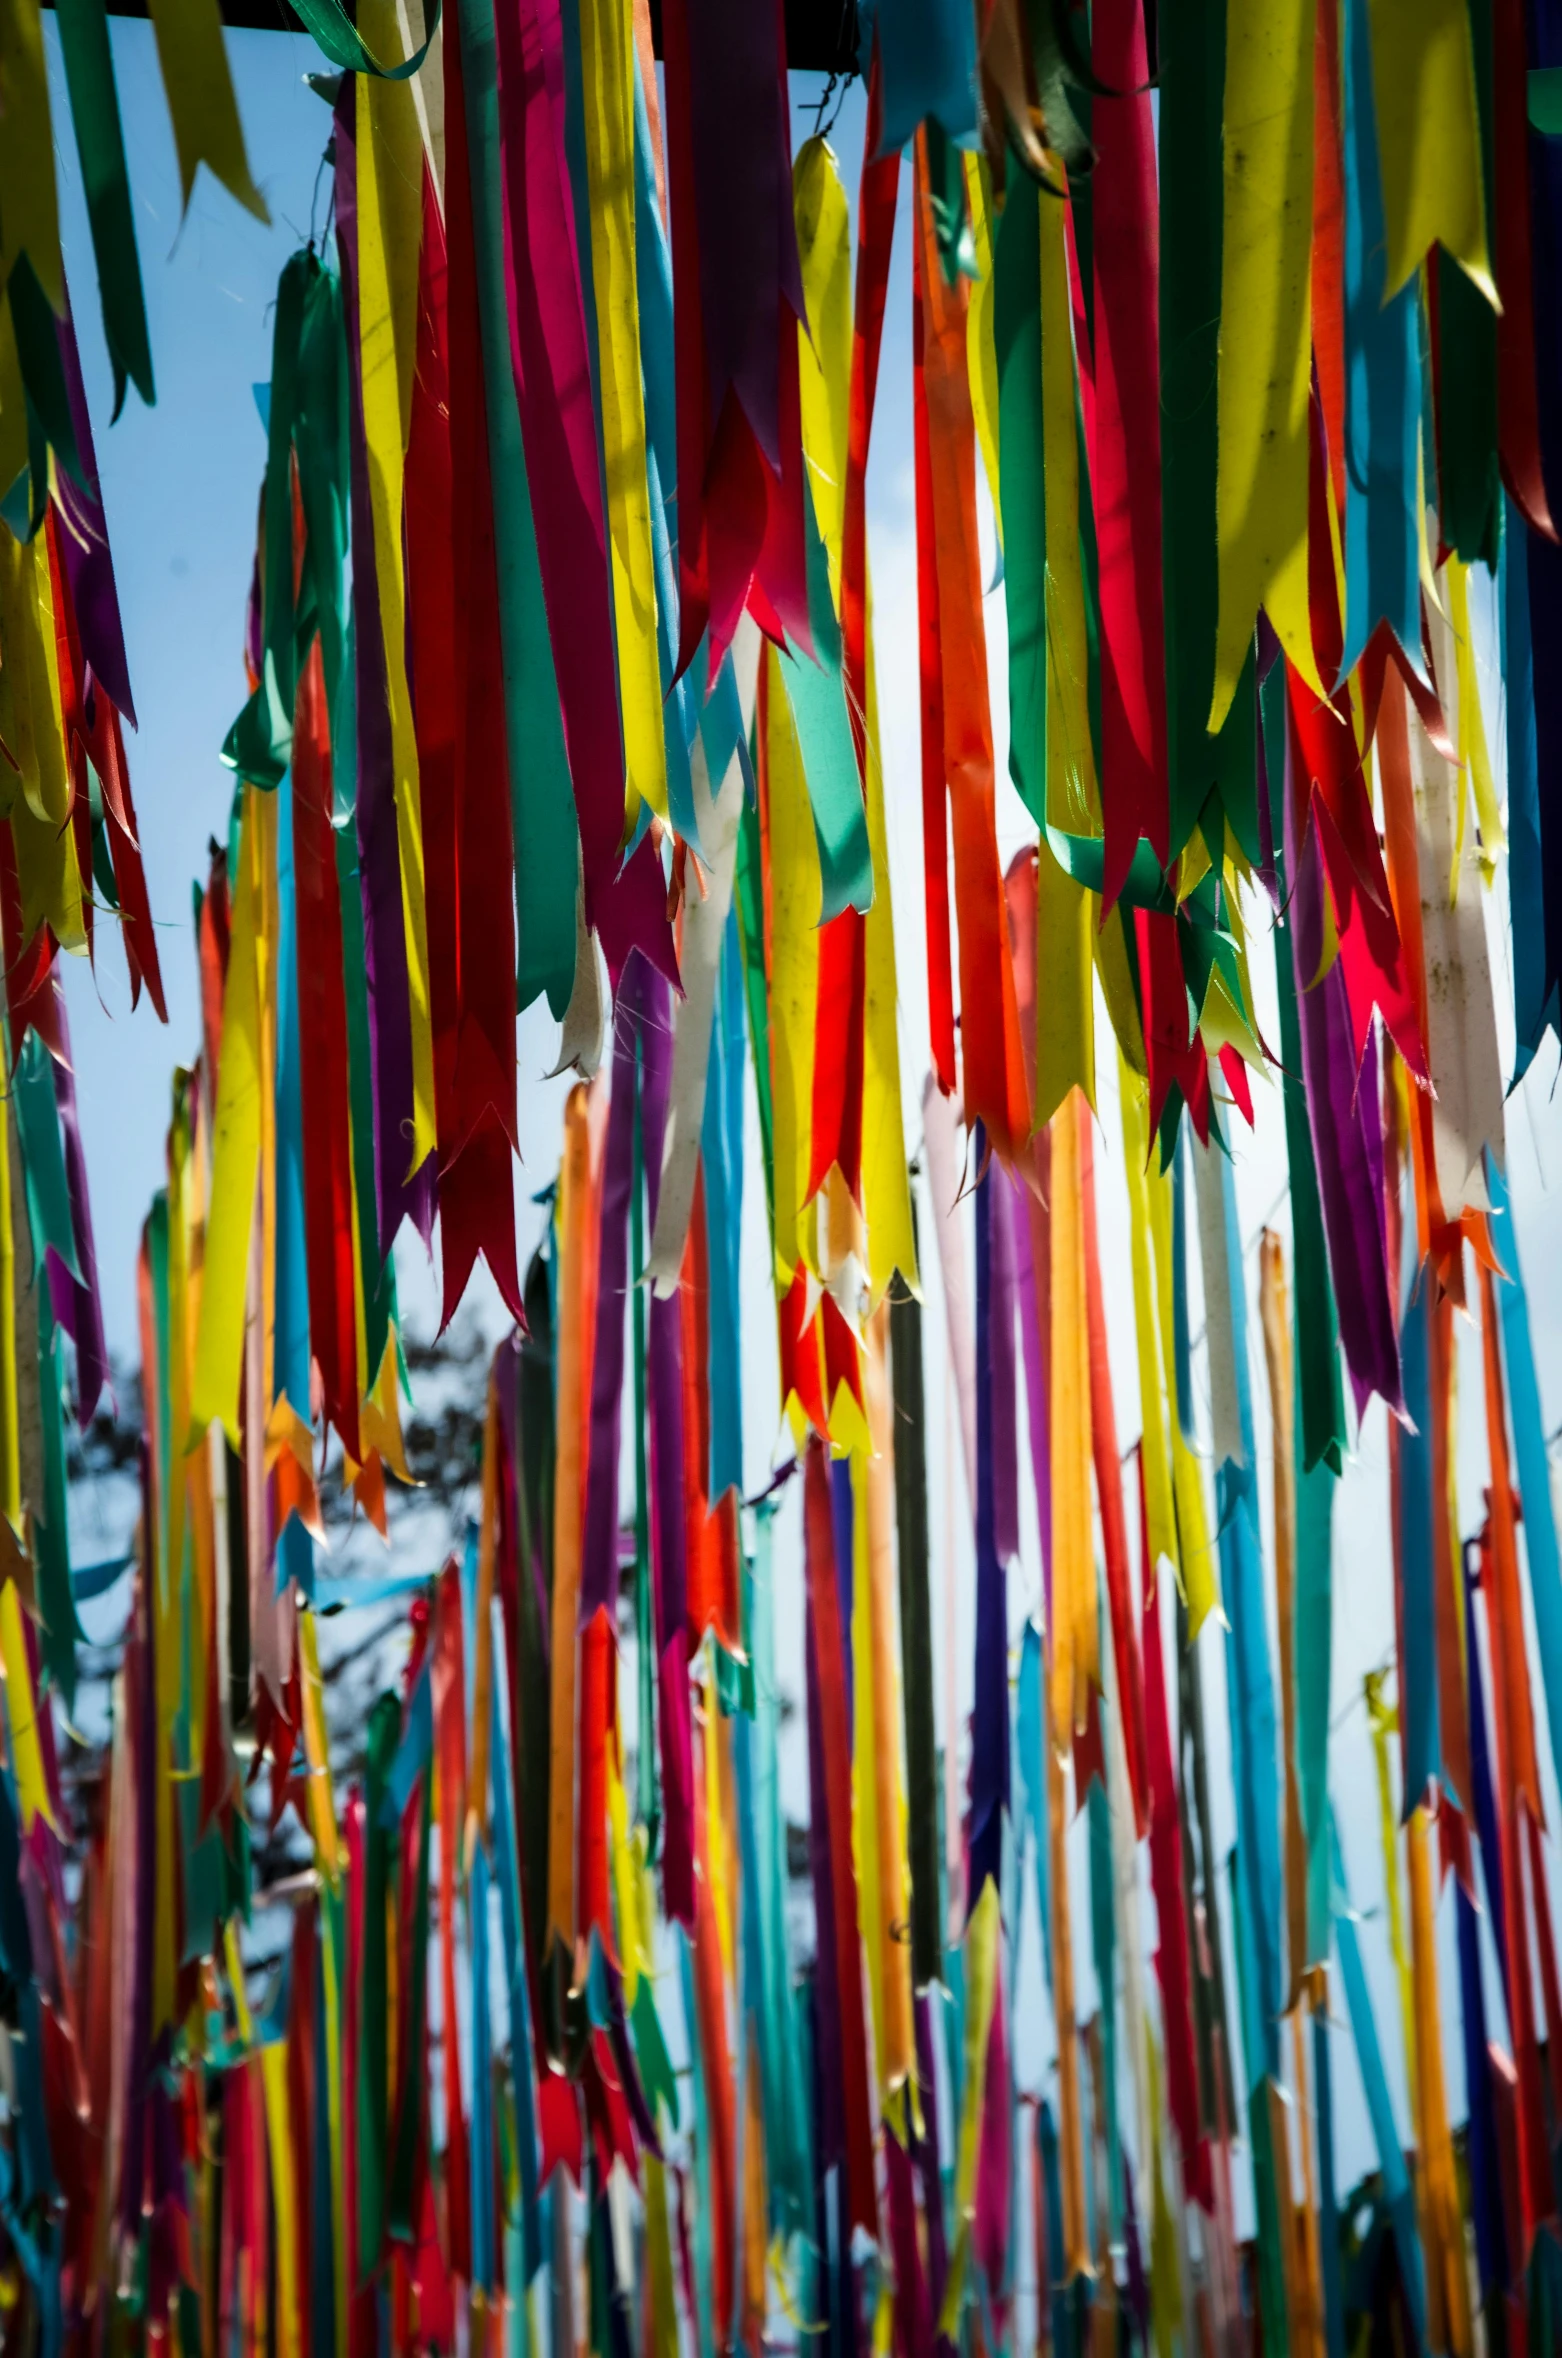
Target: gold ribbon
x=199 y=89
x=235 y=1147
x=608 y=75
x=1075 y=1621
x=390 y=230
x=1429 y=139
x=1265 y=339
x=29 y=208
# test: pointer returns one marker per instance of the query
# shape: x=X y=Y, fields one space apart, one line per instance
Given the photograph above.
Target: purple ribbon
x=1036 y=1403
x=914 y=2315
x=830 y=2134
x=84 y=549
x=1006 y=1461
x=1342 y=1105
x=599 y=1570
x=743 y=192
x=77 y=1306
x=644 y=993
x=990 y=1706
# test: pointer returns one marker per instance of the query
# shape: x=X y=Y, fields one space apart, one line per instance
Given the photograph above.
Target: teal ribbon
x=335 y=32
x=1529 y=1440
x=721 y=1154
x=816 y=692
x=1391 y=2159
x=292 y=1251
x=43 y=1156
x=1103 y=1943
x=1033 y=1778
x=1314 y=1604
x=1249 y=1679
x=1418 y=1699
x=507 y=1858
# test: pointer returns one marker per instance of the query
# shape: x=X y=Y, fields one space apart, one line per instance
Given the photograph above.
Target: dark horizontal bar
x=260 y=16
x=821 y=35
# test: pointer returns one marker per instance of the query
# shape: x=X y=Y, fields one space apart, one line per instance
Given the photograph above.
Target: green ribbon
x=320 y=445
x=1470 y=507
x=749 y=899
x=1322 y=1432
x=542 y=798
x=335 y=32
x=946 y=202
x=1022 y=487
x=817 y=695
x=43 y=385
x=259 y=745
x=100 y=143
x=377 y=1274
x=1201 y=767
x=1545 y=95
x=374 y=1985
x=401 y=2202
x=306 y=420
x=43 y=1157
x=50 y=1531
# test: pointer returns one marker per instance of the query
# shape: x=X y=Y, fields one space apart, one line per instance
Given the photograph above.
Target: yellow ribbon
x=1155 y=1456
x=824 y=348
x=824 y=374
x=390 y=228
x=1474 y=757
x=1437 y=2188
x=1429 y=139
x=35 y=794
x=794 y=974
x=886 y=1895
x=322 y=1805
x=1195 y=1555
x=199 y=88
x=1066 y=912
x=21 y=1710
x=29 y=208
x=659 y=2262
x=1075 y=1638
x=1265 y=339
x=1383 y=1719
x=608 y=78
x=981 y=1981
x=981 y=351
x=235 y=1146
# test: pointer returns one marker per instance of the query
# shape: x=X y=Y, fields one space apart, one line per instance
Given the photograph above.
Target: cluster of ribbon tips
x=1245 y=325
